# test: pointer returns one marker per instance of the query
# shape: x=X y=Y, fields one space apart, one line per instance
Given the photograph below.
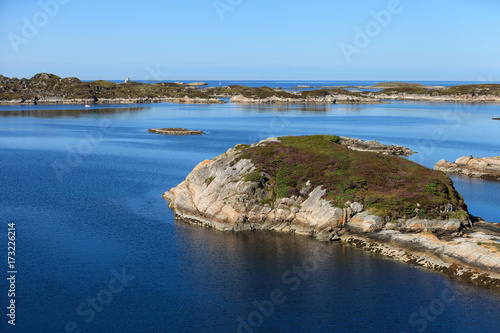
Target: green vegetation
x=265 y=92
x=209 y=180
x=45 y=85
x=334 y=138
x=493 y=246
x=326 y=92
x=241 y=146
x=249 y=92
x=253 y=177
x=471 y=89
x=395 y=85
x=386 y=185
x=404 y=90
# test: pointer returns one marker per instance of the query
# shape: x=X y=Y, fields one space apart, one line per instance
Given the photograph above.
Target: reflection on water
x=108 y=214
x=283 y=107
x=72 y=112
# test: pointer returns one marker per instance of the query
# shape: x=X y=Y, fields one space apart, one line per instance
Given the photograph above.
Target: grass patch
x=253 y=177
x=334 y=138
x=386 y=185
x=494 y=246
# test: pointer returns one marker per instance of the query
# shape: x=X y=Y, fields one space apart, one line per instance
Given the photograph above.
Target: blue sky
x=252 y=39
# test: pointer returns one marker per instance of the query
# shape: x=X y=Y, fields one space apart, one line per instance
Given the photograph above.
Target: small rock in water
x=175 y=131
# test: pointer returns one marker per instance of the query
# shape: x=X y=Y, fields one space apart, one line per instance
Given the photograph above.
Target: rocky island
x=44 y=88
x=486 y=167
x=47 y=88
x=266 y=95
x=317 y=186
x=475 y=93
x=175 y=131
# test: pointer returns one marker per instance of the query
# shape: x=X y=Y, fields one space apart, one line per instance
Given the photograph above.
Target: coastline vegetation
x=44 y=85
x=386 y=185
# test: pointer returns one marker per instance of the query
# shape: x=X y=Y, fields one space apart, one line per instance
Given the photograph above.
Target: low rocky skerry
x=316 y=186
x=485 y=167
x=175 y=131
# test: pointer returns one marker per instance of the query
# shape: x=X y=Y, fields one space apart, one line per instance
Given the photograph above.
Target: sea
x=97 y=248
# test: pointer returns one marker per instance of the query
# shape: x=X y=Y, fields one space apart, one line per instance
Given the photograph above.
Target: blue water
x=84 y=190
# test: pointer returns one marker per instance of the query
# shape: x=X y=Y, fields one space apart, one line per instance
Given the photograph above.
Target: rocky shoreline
x=329 y=99
x=226 y=194
x=45 y=88
x=91 y=101
x=485 y=168
x=449 y=99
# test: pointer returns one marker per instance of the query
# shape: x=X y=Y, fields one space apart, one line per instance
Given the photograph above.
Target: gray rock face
x=364 y=222
x=421 y=224
x=217 y=194
x=356 y=207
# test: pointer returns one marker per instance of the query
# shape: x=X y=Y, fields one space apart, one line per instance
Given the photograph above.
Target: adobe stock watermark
x=223 y=6
x=83 y=148
x=455 y=117
x=440 y=134
x=31 y=27
x=87 y=310
x=488 y=79
x=292 y=279
x=426 y=315
x=155 y=74
x=363 y=36
x=277 y=125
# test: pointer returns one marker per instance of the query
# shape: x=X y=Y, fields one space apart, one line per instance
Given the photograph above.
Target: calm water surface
x=85 y=189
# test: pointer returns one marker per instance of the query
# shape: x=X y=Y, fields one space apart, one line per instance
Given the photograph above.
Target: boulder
x=365 y=222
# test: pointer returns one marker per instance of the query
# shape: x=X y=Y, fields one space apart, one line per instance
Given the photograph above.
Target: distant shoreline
x=47 y=88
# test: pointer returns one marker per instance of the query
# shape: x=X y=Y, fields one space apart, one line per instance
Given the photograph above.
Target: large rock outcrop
x=486 y=167
x=233 y=192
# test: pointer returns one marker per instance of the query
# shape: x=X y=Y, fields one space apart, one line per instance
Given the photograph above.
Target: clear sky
x=252 y=39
